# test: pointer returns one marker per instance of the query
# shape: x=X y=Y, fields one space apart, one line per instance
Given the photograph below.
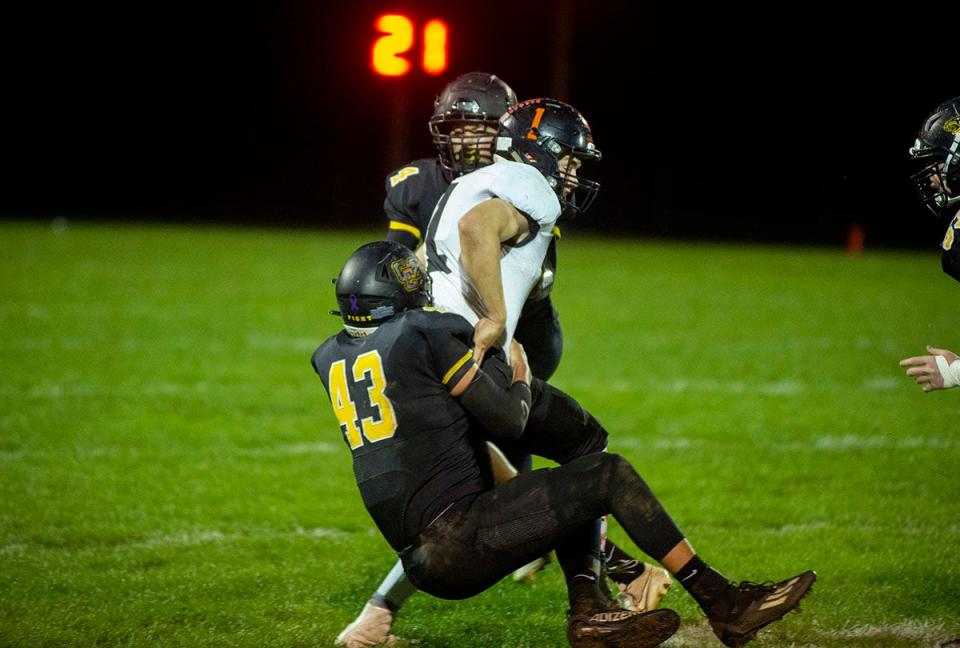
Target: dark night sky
x=724 y=123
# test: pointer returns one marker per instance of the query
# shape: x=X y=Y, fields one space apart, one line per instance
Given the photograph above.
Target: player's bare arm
x=482 y=231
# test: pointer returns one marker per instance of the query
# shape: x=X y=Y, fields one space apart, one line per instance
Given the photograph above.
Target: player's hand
x=519 y=363
x=924 y=369
x=486 y=334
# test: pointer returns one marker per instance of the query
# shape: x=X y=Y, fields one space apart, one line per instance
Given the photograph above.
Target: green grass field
x=172 y=474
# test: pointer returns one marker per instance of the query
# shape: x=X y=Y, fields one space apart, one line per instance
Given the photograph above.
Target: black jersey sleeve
x=502 y=411
x=449 y=340
x=405 y=189
x=950 y=254
x=412 y=191
x=402 y=236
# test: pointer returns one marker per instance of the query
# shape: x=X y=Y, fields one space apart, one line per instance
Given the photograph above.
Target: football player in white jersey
x=490 y=232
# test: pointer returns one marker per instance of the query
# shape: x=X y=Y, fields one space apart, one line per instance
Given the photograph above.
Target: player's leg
x=479 y=542
x=736 y=612
x=372 y=626
x=559 y=428
x=523 y=517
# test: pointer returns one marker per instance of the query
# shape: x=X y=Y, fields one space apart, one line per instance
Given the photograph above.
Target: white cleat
x=371 y=628
x=645 y=591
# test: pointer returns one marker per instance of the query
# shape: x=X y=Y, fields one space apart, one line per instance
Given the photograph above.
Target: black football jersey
x=950 y=254
x=412 y=455
x=412 y=193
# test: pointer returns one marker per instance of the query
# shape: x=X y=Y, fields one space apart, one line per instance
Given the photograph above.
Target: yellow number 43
x=383 y=424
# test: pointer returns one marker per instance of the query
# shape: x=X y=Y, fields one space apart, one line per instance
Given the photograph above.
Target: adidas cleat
x=644 y=592
x=756 y=606
x=621 y=629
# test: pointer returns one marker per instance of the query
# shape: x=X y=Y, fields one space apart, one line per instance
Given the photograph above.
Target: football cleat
x=371 y=628
x=755 y=606
x=529 y=571
x=644 y=592
x=621 y=628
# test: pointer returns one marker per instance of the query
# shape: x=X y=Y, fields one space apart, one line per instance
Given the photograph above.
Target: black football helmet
x=937 y=150
x=378 y=281
x=541 y=132
x=474 y=98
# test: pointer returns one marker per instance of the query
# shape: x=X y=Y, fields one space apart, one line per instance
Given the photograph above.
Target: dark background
x=787 y=124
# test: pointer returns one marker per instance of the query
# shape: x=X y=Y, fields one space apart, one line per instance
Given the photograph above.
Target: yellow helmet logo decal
x=408 y=273
x=952 y=126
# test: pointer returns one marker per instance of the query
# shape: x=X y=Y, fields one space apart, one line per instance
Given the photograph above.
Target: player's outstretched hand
x=933 y=374
x=519 y=363
x=486 y=334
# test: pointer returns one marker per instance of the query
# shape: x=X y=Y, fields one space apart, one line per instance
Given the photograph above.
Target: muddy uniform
x=414 y=458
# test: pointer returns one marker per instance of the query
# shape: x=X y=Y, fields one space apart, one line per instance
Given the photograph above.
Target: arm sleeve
x=503 y=412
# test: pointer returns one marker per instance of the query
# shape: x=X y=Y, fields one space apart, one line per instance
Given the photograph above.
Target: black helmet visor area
x=937 y=182
x=577 y=192
x=468 y=103
x=464 y=145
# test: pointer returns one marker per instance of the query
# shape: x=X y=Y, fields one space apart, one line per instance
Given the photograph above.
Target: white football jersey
x=524 y=187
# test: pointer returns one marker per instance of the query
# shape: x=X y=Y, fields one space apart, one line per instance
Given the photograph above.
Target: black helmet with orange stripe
x=555 y=138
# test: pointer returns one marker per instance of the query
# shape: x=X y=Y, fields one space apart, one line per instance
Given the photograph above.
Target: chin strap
x=356 y=331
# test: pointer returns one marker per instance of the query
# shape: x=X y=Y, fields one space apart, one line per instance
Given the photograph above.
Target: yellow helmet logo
x=952 y=126
x=408 y=274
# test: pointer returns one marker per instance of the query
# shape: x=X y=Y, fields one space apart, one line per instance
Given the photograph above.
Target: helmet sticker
x=532 y=133
x=382 y=312
x=952 y=126
x=407 y=273
x=354 y=304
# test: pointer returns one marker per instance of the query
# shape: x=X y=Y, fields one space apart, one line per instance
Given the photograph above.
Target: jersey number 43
x=382 y=424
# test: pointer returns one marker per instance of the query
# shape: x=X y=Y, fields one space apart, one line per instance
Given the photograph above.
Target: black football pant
x=538 y=330
x=558 y=428
x=484 y=537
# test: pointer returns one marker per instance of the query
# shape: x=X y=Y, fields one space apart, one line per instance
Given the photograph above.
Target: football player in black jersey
x=937 y=150
x=412 y=407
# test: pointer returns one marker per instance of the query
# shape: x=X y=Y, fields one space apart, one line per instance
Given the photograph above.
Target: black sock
x=620 y=567
x=380 y=601
x=707 y=586
x=690 y=573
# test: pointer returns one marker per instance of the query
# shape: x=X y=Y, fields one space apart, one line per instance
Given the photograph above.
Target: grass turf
x=171 y=472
